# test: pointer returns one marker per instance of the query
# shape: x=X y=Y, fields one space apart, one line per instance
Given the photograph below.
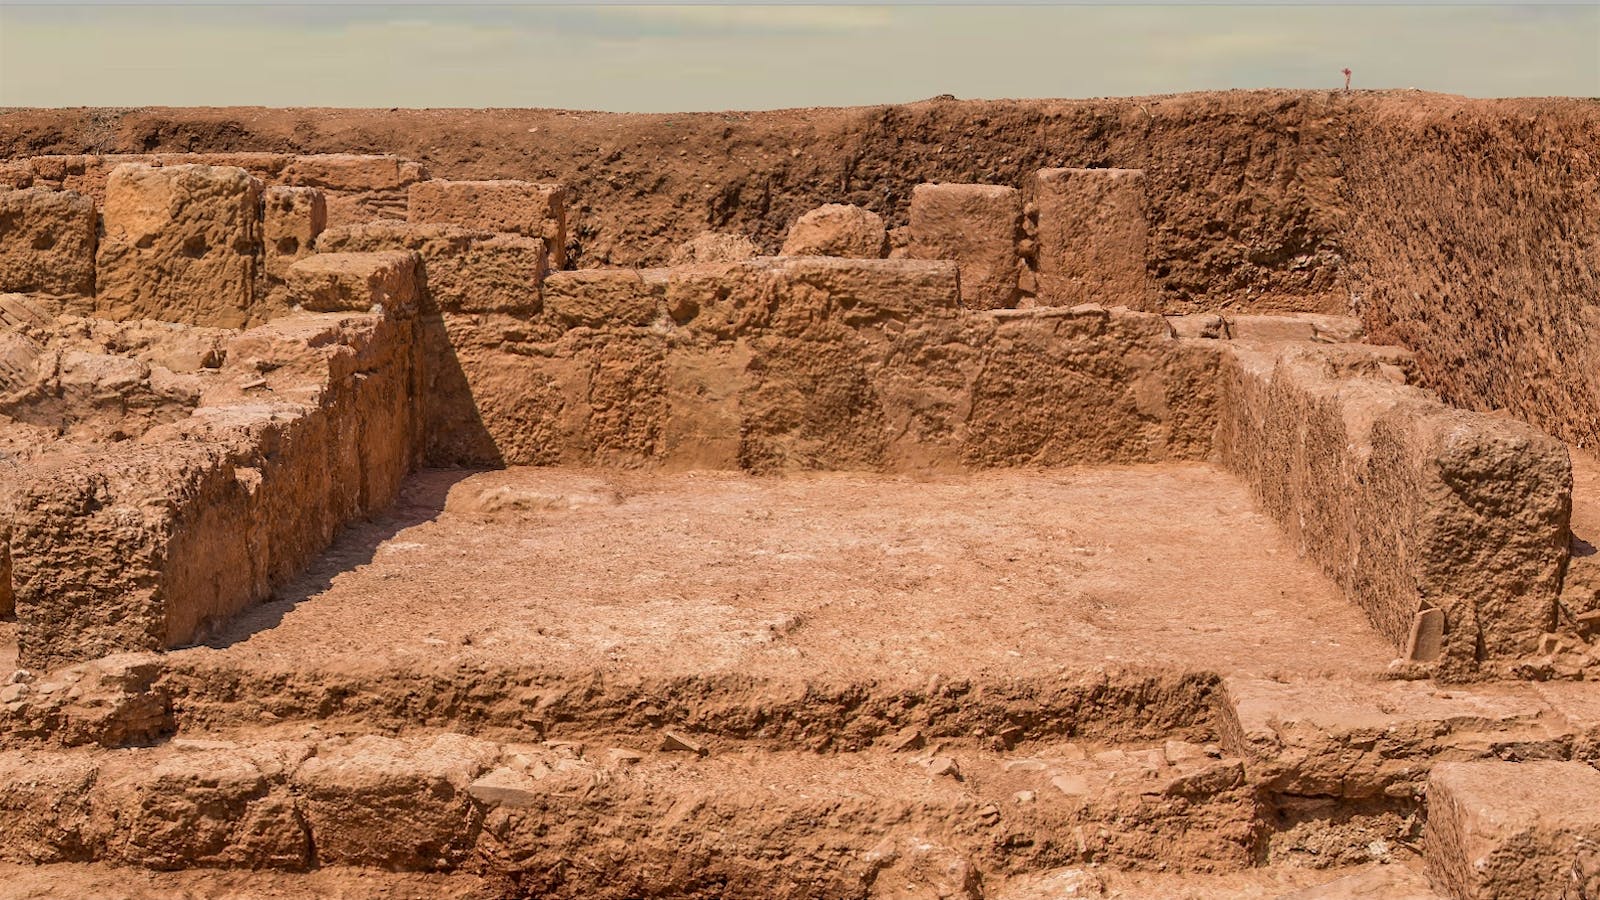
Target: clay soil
x=829 y=576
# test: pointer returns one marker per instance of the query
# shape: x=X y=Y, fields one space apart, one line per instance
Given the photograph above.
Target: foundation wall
x=1408 y=504
x=808 y=363
x=313 y=420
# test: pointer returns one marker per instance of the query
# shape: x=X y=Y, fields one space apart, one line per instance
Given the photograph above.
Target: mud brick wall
x=314 y=419
x=1406 y=503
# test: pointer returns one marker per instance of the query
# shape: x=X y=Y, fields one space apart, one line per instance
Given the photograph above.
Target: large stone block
x=180 y=245
x=390 y=804
x=519 y=207
x=357 y=282
x=352 y=172
x=1514 y=831
x=359 y=188
x=214 y=806
x=291 y=219
x=803 y=292
x=1091 y=237
x=488 y=401
x=978 y=226
x=132 y=550
x=600 y=298
x=1087 y=385
x=47 y=242
x=838 y=230
x=464 y=269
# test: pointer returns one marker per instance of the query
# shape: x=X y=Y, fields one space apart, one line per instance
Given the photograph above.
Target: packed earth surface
x=1168 y=497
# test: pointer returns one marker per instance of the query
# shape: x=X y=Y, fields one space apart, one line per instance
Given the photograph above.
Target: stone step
x=666 y=819
x=134 y=699
x=1514 y=831
x=75 y=881
x=819 y=714
x=1342 y=765
x=1371 y=882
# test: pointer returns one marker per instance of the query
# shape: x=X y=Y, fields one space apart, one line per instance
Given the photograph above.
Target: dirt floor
x=827 y=576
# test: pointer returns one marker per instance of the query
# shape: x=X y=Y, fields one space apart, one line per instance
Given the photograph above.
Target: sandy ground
x=829 y=576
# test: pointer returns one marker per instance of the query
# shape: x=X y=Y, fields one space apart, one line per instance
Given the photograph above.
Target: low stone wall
x=1408 y=504
x=808 y=363
x=313 y=421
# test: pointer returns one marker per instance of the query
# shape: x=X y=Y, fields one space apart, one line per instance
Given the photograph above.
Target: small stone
x=1023 y=765
x=675 y=742
x=1025 y=797
x=570 y=748
x=21 y=676
x=944 y=765
x=1427 y=636
x=1071 y=785
x=504 y=787
x=907 y=739
x=621 y=756
x=1010 y=736
x=48 y=688
x=11 y=693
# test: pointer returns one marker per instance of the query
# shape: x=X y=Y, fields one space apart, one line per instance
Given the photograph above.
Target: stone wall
x=312 y=420
x=1408 y=504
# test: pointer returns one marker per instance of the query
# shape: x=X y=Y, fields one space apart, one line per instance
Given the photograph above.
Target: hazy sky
x=656 y=58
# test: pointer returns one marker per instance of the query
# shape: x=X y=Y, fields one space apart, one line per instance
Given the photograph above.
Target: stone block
x=485 y=403
x=180 y=245
x=1092 y=236
x=47 y=242
x=208 y=806
x=1088 y=385
x=391 y=804
x=976 y=225
x=291 y=219
x=601 y=298
x=132 y=550
x=518 y=207
x=802 y=292
x=464 y=269
x=1513 y=831
x=352 y=172
x=838 y=230
x=44 y=807
x=356 y=282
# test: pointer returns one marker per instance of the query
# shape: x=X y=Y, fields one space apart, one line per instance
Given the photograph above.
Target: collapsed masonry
x=212 y=363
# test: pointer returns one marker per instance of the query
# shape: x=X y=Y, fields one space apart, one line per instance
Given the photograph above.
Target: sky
x=655 y=58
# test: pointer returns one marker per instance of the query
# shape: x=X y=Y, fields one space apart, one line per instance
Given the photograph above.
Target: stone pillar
x=977 y=226
x=1091 y=238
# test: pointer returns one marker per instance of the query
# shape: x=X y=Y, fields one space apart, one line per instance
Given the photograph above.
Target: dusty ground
x=830 y=576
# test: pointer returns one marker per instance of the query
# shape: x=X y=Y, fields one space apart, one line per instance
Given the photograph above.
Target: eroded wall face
x=1475 y=236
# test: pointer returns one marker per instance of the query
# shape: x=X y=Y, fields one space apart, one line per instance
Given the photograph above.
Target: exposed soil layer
x=829 y=577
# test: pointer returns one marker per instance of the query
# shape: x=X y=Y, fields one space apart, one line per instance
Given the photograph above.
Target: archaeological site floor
x=1180 y=497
